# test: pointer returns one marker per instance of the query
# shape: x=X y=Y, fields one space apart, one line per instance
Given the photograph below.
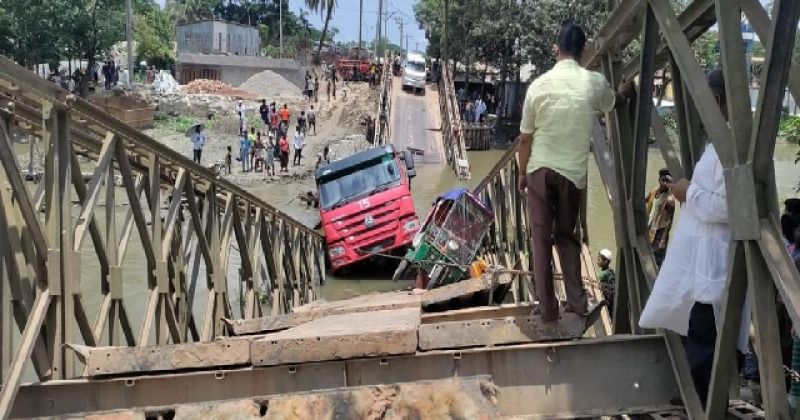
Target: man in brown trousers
x=557 y=118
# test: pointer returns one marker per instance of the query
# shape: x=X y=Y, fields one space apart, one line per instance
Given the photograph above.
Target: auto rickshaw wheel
x=437 y=273
x=401 y=269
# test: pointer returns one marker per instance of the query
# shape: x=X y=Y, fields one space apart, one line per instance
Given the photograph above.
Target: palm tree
x=326 y=7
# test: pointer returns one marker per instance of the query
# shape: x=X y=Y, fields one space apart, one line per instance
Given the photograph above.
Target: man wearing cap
x=607 y=278
x=560 y=109
x=660 y=211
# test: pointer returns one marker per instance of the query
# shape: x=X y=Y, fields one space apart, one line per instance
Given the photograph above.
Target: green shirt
x=559 y=110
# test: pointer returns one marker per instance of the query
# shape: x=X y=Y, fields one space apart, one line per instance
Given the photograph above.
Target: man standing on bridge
x=557 y=118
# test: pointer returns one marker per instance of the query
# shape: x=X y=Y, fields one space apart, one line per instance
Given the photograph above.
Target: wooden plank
x=336 y=337
x=149 y=359
x=498 y=331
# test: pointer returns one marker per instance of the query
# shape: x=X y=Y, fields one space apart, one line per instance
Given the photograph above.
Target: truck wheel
x=401 y=269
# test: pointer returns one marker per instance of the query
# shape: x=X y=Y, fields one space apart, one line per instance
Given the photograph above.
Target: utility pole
x=406 y=43
x=400 y=21
x=360 y=19
x=129 y=36
x=379 y=50
x=280 y=26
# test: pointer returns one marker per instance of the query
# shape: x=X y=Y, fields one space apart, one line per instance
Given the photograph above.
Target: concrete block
x=363 y=303
x=120 y=360
x=467 y=293
x=267 y=324
x=498 y=331
x=345 y=336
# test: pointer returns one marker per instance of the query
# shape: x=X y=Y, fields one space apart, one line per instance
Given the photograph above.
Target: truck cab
x=414 y=72
x=366 y=206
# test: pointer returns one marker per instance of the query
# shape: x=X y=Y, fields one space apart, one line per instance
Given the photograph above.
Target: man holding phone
x=660 y=212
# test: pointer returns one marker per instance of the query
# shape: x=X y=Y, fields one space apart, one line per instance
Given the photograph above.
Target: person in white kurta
x=695 y=270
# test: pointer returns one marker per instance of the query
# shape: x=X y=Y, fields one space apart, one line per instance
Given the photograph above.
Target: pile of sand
x=270 y=85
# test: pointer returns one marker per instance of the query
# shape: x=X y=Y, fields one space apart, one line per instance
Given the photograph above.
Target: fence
x=383 y=114
x=452 y=133
x=181 y=218
x=477 y=136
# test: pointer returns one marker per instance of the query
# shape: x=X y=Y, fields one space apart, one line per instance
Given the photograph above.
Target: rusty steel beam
x=516 y=370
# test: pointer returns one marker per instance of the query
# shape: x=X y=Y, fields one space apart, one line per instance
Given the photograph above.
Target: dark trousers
x=197 y=153
x=298 y=154
x=553 y=203
x=699 y=345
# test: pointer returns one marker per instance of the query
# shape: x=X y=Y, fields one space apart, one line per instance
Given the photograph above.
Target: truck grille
x=376 y=247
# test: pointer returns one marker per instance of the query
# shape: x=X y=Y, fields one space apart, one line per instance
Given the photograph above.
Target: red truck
x=366 y=206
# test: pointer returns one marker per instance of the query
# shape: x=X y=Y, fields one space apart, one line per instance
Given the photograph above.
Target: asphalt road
x=416 y=122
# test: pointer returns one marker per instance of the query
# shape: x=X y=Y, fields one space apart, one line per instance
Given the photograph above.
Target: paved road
x=416 y=122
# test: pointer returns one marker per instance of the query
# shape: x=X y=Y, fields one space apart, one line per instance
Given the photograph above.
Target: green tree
x=155 y=36
x=94 y=27
x=325 y=8
x=31 y=32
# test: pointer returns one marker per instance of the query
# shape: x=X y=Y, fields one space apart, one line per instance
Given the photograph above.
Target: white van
x=414 y=72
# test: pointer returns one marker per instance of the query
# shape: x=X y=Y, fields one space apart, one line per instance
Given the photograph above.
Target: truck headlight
x=336 y=252
x=411 y=226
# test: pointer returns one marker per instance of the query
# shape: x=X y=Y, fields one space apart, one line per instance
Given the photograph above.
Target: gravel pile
x=205 y=86
x=269 y=84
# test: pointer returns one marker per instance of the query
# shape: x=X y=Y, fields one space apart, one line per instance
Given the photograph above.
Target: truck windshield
x=416 y=66
x=358 y=181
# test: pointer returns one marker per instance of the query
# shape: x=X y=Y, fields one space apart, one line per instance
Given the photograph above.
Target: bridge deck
x=416 y=123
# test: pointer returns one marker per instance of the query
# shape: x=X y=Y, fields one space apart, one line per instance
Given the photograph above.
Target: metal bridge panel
x=627 y=372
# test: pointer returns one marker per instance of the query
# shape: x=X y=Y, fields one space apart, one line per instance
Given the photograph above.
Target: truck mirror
x=409 y=158
x=411 y=173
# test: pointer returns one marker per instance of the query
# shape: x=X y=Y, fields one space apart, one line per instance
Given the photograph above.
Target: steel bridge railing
x=383 y=114
x=452 y=133
x=181 y=217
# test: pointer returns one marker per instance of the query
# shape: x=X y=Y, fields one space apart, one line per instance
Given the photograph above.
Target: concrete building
x=235 y=70
x=218 y=37
x=226 y=51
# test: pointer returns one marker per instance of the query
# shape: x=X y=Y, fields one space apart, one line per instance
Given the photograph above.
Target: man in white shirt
x=198 y=141
x=689 y=291
x=298 y=141
x=240 y=112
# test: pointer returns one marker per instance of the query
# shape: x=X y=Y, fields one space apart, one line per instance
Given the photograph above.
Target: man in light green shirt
x=557 y=117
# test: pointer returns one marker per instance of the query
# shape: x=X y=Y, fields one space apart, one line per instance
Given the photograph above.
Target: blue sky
x=345 y=17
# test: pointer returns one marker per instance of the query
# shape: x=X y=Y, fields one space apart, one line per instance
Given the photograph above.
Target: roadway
x=415 y=122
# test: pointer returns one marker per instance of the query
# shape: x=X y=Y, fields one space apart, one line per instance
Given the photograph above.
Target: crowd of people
x=475 y=107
